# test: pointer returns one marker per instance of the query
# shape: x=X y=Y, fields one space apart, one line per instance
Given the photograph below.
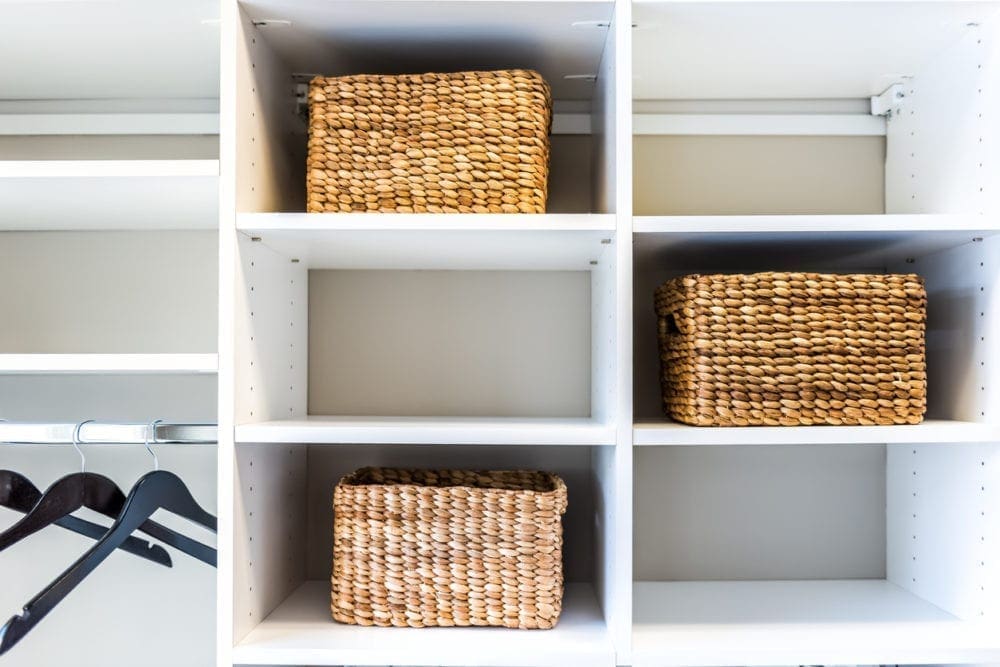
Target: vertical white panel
x=270 y=530
x=271 y=335
x=942 y=535
x=616 y=124
x=270 y=164
x=942 y=137
x=231 y=41
x=603 y=353
x=963 y=318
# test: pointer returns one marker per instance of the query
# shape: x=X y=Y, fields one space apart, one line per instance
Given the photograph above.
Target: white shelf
x=819 y=242
x=429 y=430
x=798 y=622
x=109 y=194
x=780 y=224
x=930 y=431
x=301 y=632
x=107 y=364
x=434 y=241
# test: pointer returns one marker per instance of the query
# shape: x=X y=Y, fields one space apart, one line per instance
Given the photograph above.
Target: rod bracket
x=890 y=98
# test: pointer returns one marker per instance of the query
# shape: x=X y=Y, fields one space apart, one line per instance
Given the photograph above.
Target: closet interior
x=160 y=265
x=109 y=177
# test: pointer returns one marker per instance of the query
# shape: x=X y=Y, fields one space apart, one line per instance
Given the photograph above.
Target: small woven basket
x=465 y=142
x=793 y=349
x=421 y=548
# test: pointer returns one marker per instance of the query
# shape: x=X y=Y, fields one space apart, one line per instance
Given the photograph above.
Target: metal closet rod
x=93 y=432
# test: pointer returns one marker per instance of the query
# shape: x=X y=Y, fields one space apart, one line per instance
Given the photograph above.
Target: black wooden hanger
x=100 y=494
x=154 y=491
x=19 y=494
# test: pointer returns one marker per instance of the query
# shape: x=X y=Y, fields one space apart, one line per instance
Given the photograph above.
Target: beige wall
x=728 y=175
x=455 y=343
x=724 y=512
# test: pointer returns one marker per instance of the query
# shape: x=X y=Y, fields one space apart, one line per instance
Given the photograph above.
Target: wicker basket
x=465 y=142
x=420 y=548
x=793 y=349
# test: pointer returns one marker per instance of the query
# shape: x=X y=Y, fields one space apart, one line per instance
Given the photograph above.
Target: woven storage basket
x=793 y=349
x=423 y=548
x=465 y=142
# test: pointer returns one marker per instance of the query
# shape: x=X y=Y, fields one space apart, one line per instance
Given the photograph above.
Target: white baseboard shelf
x=867 y=621
x=300 y=631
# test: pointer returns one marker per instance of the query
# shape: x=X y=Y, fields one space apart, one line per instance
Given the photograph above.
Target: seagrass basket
x=463 y=142
x=793 y=349
x=421 y=548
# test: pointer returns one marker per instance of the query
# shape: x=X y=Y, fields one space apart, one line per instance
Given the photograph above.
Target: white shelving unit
x=159 y=264
x=762 y=546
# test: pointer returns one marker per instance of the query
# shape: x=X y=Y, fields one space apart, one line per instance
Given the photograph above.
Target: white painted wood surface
x=108 y=194
x=712 y=68
x=299 y=631
x=429 y=430
x=871 y=621
x=107 y=364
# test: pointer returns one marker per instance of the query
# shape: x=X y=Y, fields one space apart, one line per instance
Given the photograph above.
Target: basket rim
x=348 y=481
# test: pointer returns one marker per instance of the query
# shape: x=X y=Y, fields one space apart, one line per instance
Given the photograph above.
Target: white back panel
x=760 y=512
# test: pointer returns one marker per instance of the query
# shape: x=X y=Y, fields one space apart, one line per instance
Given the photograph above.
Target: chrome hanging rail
x=108 y=433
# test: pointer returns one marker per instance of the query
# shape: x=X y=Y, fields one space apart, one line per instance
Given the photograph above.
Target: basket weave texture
x=420 y=548
x=793 y=349
x=463 y=142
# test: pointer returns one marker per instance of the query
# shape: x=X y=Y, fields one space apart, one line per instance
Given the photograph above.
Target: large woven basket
x=793 y=349
x=465 y=142
x=419 y=548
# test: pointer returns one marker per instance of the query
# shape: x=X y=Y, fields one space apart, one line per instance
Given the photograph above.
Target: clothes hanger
x=100 y=494
x=154 y=491
x=19 y=494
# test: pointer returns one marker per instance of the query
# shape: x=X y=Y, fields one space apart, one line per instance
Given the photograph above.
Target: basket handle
x=672 y=329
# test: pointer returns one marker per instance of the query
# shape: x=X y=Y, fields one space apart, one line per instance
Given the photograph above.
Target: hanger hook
x=150 y=439
x=77 y=443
